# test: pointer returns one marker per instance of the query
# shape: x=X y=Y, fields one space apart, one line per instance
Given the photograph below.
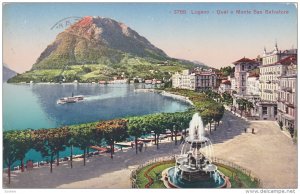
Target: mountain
x=7 y=73
x=96 y=40
x=96 y=48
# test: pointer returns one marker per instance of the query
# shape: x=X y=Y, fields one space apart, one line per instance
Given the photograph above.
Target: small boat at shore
x=72 y=99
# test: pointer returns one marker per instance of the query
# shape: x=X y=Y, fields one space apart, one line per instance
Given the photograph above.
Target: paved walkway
x=269 y=153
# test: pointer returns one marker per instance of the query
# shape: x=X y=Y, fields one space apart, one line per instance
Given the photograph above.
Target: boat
x=72 y=99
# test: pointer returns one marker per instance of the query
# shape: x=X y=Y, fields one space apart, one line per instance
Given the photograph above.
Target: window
x=265 y=110
x=286 y=110
x=243 y=67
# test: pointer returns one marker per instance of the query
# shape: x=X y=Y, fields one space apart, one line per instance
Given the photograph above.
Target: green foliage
x=226 y=71
x=227 y=98
x=95 y=70
x=157 y=170
x=237 y=178
x=10 y=147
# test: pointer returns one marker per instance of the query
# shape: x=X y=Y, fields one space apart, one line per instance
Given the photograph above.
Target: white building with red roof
x=287 y=93
x=225 y=86
x=197 y=80
x=273 y=67
x=242 y=66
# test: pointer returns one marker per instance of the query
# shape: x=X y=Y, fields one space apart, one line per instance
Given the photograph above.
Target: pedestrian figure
x=131 y=145
x=252 y=130
x=245 y=130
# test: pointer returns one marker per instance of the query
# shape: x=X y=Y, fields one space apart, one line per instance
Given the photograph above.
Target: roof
x=288 y=60
x=284 y=61
x=244 y=60
x=227 y=82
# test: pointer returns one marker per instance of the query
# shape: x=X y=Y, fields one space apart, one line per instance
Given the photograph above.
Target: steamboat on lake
x=71 y=99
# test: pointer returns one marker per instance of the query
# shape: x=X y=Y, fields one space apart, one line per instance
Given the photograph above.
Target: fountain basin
x=206 y=181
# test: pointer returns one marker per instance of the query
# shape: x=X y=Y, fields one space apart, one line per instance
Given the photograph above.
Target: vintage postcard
x=150 y=95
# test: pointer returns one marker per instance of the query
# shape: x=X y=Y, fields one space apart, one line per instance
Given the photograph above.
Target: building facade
x=206 y=80
x=199 y=81
x=271 y=69
x=252 y=84
x=242 y=66
x=184 y=80
x=225 y=86
x=233 y=83
x=287 y=101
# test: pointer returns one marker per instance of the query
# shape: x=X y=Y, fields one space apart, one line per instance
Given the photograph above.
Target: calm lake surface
x=34 y=105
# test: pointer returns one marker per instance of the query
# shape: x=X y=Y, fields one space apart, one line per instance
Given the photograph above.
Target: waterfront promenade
x=269 y=154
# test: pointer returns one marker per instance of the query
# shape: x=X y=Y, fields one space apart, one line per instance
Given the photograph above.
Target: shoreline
x=167 y=94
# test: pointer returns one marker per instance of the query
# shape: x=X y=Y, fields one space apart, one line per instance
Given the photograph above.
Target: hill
x=96 y=48
x=7 y=73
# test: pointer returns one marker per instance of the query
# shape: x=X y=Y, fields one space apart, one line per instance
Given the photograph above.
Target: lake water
x=34 y=105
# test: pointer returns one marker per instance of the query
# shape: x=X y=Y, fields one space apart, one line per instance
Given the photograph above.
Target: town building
x=196 y=80
x=184 y=80
x=270 y=71
x=252 y=84
x=233 y=83
x=206 y=80
x=242 y=66
x=287 y=106
x=225 y=86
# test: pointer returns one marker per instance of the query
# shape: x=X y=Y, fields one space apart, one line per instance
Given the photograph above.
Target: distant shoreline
x=167 y=94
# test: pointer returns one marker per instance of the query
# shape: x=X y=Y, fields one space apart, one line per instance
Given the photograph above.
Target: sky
x=215 y=37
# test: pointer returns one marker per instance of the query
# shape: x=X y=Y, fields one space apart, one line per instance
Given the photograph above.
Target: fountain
x=194 y=168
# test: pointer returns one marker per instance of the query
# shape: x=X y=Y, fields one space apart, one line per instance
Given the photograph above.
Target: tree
x=83 y=138
x=50 y=142
x=61 y=140
x=113 y=131
x=23 y=145
x=227 y=98
x=9 y=150
x=155 y=123
x=207 y=117
x=135 y=128
x=219 y=114
x=242 y=105
x=249 y=106
x=179 y=121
